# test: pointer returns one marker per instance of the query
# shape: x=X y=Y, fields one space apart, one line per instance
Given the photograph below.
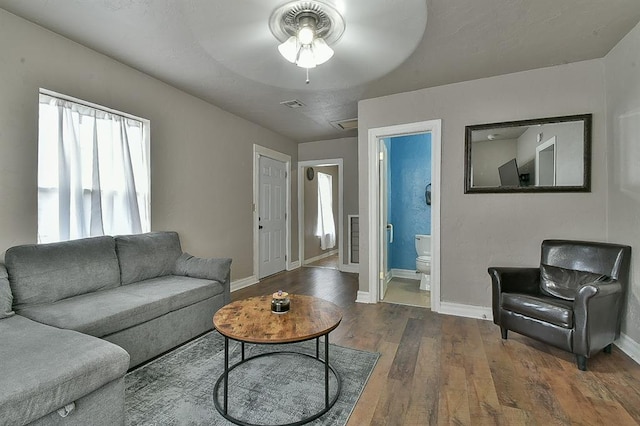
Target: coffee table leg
x=226 y=371
x=317 y=347
x=242 y=344
x=326 y=370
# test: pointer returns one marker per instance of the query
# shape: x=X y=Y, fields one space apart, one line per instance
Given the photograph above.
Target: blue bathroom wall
x=410 y=164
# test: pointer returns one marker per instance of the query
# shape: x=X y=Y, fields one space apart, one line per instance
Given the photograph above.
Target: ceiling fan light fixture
x=306 y=29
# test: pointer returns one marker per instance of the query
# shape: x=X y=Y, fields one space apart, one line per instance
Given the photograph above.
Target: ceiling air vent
x=349 y=124
x=294 y=103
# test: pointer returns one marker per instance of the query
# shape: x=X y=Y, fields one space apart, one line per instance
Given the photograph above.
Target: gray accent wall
x=201 y=155
x=347 y=149
x=482 y=230
x=622 y=76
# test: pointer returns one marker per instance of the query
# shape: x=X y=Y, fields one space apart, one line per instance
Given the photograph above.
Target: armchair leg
x=607 y=349
x=582 y=362
x=504 y=332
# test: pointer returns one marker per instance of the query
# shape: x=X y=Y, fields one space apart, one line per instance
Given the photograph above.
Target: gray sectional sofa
x=76 y=315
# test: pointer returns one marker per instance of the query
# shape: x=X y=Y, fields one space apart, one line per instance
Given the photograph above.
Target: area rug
x=177 y=388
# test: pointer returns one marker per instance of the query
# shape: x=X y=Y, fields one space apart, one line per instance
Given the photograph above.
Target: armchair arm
x=218 y=269
x=517 y=280
x=597 y=314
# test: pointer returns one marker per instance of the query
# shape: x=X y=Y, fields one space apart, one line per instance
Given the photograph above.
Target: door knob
x=259 y=226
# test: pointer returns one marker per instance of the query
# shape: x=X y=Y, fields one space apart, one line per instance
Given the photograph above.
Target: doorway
x=312 y=253
x=271 y=212
x=405 y=186
x=377 y=229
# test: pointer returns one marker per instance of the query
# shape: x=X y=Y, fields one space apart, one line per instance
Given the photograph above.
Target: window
x=93 y=171
x=326 y=228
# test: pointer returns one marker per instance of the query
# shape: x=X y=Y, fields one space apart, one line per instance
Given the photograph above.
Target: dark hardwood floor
x=440 y=369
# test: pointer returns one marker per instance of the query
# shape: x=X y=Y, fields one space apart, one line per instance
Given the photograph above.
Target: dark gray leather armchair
x=573 y=301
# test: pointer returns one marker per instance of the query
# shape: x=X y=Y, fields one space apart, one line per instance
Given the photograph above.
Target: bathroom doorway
x=378 y=233
x=405 y=211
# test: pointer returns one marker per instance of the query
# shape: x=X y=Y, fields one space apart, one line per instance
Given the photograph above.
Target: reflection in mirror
x=542 y=155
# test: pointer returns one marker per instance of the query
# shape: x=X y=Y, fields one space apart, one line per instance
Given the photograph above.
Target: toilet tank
x=423 y=245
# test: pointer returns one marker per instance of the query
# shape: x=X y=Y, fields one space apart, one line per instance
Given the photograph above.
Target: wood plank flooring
x=444 y=370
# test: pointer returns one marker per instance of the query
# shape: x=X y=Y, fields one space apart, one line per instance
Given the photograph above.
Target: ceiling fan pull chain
x=307 y=82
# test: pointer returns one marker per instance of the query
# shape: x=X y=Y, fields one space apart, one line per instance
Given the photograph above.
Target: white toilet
x=423 y=261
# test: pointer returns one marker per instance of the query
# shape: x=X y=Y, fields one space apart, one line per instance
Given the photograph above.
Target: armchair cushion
x=565 y=283
x=543 y=308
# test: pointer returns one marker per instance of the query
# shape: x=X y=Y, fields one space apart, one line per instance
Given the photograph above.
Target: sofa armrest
x=512 y=280
x=597 y=313
x=218 y=269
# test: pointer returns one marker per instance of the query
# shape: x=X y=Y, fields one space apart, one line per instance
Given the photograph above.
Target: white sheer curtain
x=93 y=172
x=326 y=228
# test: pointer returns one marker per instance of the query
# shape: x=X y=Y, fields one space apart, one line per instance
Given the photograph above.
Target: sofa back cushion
x=45 y=273
x=6 y=297
x=145 y=256
x=565 y=283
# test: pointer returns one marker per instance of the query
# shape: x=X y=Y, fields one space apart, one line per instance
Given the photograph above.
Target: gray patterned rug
x=177 y=388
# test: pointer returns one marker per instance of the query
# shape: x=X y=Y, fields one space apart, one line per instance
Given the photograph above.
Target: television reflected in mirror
x=540 y=155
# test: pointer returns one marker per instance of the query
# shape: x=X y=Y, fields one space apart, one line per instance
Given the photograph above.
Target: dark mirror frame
x=585 y=187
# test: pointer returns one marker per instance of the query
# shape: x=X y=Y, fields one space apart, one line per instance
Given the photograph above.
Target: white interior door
x=272 y=217
x=386 y=228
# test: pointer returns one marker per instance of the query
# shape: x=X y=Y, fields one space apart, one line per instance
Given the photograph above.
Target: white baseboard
x=407 y=274
x=468 y=311
x=353 y=269
x=293 y=265
x=363 y=297
x=629 y=346
x=320 y=256
x=244 y=282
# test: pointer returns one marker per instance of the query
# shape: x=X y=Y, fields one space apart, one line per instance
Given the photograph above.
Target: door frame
x=261 y=151
x=301 y=175
x=374 y=135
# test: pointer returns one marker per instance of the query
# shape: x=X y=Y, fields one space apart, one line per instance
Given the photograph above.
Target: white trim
x=374 y=135
x=467 y=311
x=320 y=257
x=354 y=268
x=261 y=151
x=293 y=265
x=364 y=297
x=629 y=346
x=301 y=176
x=243 y=282
x=408 y=274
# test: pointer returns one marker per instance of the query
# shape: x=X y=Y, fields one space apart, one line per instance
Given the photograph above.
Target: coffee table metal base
x=224 y=379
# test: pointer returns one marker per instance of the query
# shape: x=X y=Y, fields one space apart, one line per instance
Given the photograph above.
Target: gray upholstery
x=6 y=297
x=75 y=288
x=573 y=301
x=44 y=368
x=45 y=273
x=106 y=312
x=146 y=256
x=210 y=269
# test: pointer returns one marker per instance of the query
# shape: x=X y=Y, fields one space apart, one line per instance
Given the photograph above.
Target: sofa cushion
x=544 y=308
x=6 y=297
x=145 y=256
x=565 y=283
x=217 y=269
x=45 y=273
x=44 y=368
x=106 y=312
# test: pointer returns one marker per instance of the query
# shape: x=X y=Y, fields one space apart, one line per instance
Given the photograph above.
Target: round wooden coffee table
x=251 y=321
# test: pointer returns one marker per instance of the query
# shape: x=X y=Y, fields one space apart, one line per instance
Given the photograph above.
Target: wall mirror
x=540 y=155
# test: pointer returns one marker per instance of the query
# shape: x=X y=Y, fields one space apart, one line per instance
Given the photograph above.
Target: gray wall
x=201 y=156
x=347 y=149
x=623 y=133
x=311 y=241
x=480 y=230
x=487 y=156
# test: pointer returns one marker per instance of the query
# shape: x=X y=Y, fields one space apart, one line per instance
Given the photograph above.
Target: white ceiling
x=222 y=51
